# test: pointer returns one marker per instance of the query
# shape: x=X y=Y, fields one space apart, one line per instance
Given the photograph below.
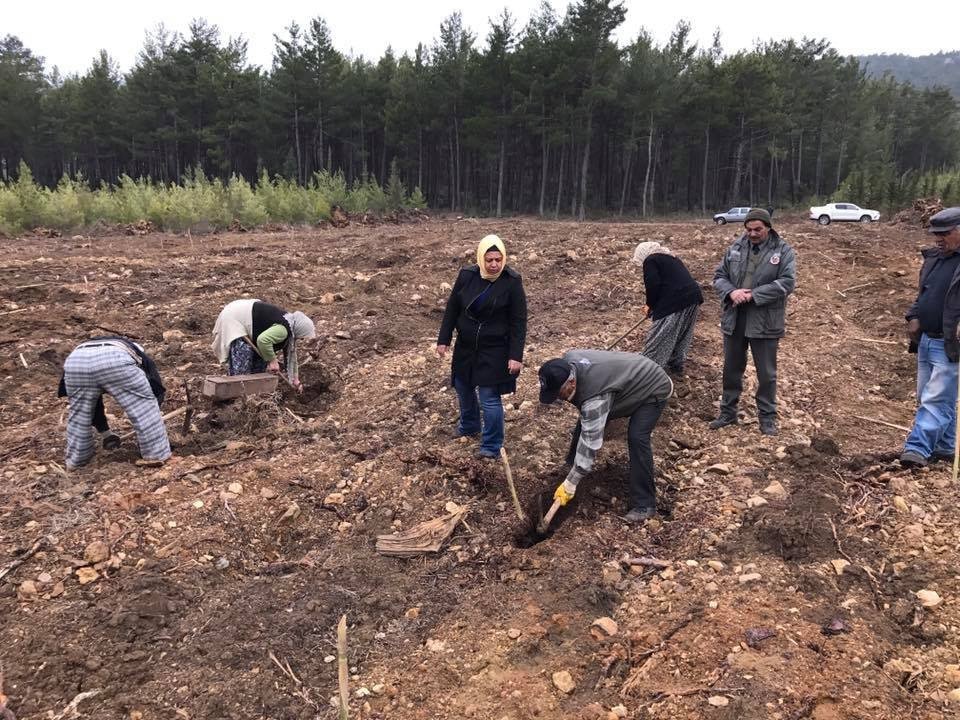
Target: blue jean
x=935 y=425
x=470 y=408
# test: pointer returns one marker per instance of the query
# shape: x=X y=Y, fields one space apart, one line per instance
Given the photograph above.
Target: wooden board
x=224 y=387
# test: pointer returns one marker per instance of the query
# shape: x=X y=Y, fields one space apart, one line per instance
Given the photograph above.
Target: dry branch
x=650 y=562
x=882 y=342
x=427 y=537
x=168 y=416
x=632 y=683
x=342 y=677
x=23 y=558
x=513 y=489
x=70 y=711
x=881 y=422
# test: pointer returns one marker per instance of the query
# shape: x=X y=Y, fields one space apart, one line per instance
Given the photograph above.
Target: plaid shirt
x=593 y=420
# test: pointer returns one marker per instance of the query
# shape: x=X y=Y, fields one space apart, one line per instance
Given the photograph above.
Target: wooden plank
x=224 y=387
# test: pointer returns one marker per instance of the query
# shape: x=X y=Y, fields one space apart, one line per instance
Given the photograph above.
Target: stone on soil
x=839 y=565
x=608 y=625
x=96 y=552
x=775 y=489
x=86 y=575
x=563 y=682
x=720 y=469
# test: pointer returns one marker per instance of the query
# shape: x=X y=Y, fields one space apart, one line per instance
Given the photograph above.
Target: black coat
x=951 y=305
x=491 y=324
x=669 y=285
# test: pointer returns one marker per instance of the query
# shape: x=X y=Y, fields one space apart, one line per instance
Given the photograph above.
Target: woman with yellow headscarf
x=488 y=309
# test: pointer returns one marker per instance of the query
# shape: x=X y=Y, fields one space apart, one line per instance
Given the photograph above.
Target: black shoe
x=110 y=440
x=722 y=421
x=768 y=427
x=487 y=455
x=912 y=459
x=639 y=514
x=941 y=457
x=455 y=434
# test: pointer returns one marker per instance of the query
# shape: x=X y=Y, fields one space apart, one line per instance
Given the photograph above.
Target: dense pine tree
x=547 y=117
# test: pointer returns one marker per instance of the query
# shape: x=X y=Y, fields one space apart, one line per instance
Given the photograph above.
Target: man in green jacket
x=753 y=280
x=604 y=385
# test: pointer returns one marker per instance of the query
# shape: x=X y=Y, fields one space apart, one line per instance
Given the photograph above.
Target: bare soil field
x=779 y=581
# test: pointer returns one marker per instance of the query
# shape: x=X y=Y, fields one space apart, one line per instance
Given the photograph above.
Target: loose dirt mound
x=780 y=580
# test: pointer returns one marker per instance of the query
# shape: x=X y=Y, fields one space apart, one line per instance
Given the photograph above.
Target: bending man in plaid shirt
x=605 y=385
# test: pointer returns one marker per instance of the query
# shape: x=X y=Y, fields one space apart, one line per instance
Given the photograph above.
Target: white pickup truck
x=836 y=212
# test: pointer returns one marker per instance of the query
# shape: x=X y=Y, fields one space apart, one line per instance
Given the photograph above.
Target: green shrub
x=243 y=204
x=417 y=200
x=197 y=200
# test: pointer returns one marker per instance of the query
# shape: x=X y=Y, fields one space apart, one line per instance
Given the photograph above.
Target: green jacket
x=774 y=279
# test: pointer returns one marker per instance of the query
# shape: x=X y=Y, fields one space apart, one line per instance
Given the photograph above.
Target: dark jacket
x=266 y=315
x=146 y=364
x=951 y=304
x=774 y=279
x=669 y=285
x=491 y=324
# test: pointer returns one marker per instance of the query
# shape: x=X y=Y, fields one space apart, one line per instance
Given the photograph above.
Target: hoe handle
x=545 y=523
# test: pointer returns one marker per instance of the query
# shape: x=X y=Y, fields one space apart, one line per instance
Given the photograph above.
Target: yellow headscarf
x=490 y=242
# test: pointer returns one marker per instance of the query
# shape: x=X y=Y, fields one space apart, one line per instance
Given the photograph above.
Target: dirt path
x=200 y=585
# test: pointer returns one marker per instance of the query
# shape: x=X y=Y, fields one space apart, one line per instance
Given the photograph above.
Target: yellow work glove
x=565 y=492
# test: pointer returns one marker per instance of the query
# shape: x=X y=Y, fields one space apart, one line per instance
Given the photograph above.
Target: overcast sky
x=70 y=33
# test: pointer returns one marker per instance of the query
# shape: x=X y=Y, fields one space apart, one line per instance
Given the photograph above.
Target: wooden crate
x=224 y=387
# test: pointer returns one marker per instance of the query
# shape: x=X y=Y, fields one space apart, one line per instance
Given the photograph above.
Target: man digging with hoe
x=604 y=385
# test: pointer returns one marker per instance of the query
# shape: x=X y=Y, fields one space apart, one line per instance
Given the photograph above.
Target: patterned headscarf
x=301 y=325
x=303 y=329
x=646 y=249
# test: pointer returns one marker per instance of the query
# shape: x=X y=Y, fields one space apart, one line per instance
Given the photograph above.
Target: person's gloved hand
x=565 y=492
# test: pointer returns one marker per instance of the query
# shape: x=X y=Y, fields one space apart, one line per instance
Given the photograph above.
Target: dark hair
x=492 y=249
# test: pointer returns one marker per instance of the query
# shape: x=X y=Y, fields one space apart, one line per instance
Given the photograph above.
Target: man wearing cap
x=932 y=326
x=754 y=278
x=605 y=385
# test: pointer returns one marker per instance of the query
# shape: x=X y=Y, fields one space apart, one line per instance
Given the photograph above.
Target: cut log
x=224 y=387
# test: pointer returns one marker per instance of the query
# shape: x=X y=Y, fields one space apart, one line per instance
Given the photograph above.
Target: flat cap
x=945 y=220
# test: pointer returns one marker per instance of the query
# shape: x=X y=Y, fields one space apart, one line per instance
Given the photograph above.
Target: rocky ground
x=803 y=576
